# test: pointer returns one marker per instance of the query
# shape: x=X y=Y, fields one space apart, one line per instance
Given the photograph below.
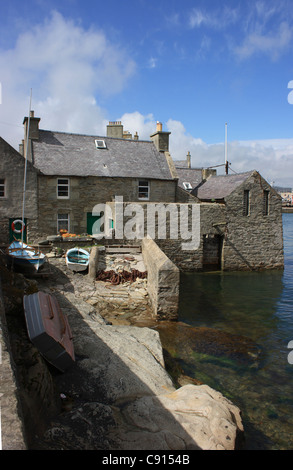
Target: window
x=2 y=187
x=63 y=188
x=246 y=203
x=62 y=222
x=266 y=195
x=187 y=186
x=143 y=190
x=100 y=144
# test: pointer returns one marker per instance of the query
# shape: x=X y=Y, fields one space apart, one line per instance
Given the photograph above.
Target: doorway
x=212 y=252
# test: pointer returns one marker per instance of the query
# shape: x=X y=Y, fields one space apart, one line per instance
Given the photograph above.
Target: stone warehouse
x=68 y=175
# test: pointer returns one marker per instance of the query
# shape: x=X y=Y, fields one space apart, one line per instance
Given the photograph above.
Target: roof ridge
x=94 y=136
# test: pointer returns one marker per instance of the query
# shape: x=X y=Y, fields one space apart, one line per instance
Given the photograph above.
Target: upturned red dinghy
x=49 y=330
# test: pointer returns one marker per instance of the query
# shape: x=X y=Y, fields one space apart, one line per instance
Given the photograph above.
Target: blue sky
x=193 y=65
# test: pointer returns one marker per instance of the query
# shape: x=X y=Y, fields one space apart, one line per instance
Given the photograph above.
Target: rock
x=122 y=398
x=191 y=418
x=120 y=375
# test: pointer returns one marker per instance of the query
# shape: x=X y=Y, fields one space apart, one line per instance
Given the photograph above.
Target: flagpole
x=25 y=169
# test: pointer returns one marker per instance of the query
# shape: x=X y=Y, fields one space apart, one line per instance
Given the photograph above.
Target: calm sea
x=258 y=306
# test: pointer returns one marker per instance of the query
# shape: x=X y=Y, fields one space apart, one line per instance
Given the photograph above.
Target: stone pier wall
x=11 y=422
x=163 y=281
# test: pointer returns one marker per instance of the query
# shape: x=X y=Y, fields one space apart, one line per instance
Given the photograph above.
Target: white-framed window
x=100 y=144
x=187 y=186
x=143 y=190
x=63 y=222
x=63 y=188
x=2 y=187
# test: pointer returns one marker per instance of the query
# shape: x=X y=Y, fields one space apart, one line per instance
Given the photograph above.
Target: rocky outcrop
x=118 y=396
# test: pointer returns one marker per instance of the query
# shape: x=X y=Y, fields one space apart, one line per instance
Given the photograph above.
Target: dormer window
x=100 y=144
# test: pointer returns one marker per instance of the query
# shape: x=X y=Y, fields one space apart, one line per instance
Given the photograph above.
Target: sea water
x=257 y=306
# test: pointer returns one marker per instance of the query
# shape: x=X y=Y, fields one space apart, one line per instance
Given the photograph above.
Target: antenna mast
x=226 y=151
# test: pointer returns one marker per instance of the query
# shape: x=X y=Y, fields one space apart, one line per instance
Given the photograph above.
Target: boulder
x=190 y=418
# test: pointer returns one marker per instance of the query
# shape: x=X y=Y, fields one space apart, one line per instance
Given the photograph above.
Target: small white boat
x=25 y=255
x=77 y=259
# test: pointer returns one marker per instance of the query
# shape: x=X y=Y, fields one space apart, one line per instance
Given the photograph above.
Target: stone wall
x=85 y=193
x=211 y=217
x=12 y=170
x=163 y=281
x=12 y=435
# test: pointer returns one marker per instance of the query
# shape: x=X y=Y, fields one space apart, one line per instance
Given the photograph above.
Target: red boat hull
x=49 y=330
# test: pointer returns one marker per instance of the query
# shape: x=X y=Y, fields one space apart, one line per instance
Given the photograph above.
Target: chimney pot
x=159 y=126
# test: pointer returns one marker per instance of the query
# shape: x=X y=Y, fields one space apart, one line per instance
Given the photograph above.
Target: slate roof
x=189 y=175
x=64 y=154
x=219 y=187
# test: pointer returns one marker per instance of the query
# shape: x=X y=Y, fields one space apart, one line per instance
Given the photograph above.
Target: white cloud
x=197 y=18
x=271 y=44
x=219 y=18
x=152 y=63
x=67 y=67
x=136 y=122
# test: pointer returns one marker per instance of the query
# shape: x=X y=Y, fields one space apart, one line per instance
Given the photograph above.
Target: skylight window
x=187 y=186
x=100 y=144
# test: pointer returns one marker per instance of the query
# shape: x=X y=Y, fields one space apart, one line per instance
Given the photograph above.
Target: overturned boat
x=77 y=259
x=49 y=330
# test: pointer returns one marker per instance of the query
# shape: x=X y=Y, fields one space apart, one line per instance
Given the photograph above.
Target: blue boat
x=77 y=259
x=25 y=256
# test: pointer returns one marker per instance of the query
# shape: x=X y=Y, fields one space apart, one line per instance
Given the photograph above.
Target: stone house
x=249 y=235
x=12 y=167
x=77 y=172
x=239 y=216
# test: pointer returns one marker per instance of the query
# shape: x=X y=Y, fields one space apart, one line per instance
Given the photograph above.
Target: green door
x=93 y=224
x=15 y=229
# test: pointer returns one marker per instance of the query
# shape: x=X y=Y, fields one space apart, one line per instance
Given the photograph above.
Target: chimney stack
x=188 y=159
x=161 y=138
x=115 y=129
x=34 y=126
x=33 y=133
